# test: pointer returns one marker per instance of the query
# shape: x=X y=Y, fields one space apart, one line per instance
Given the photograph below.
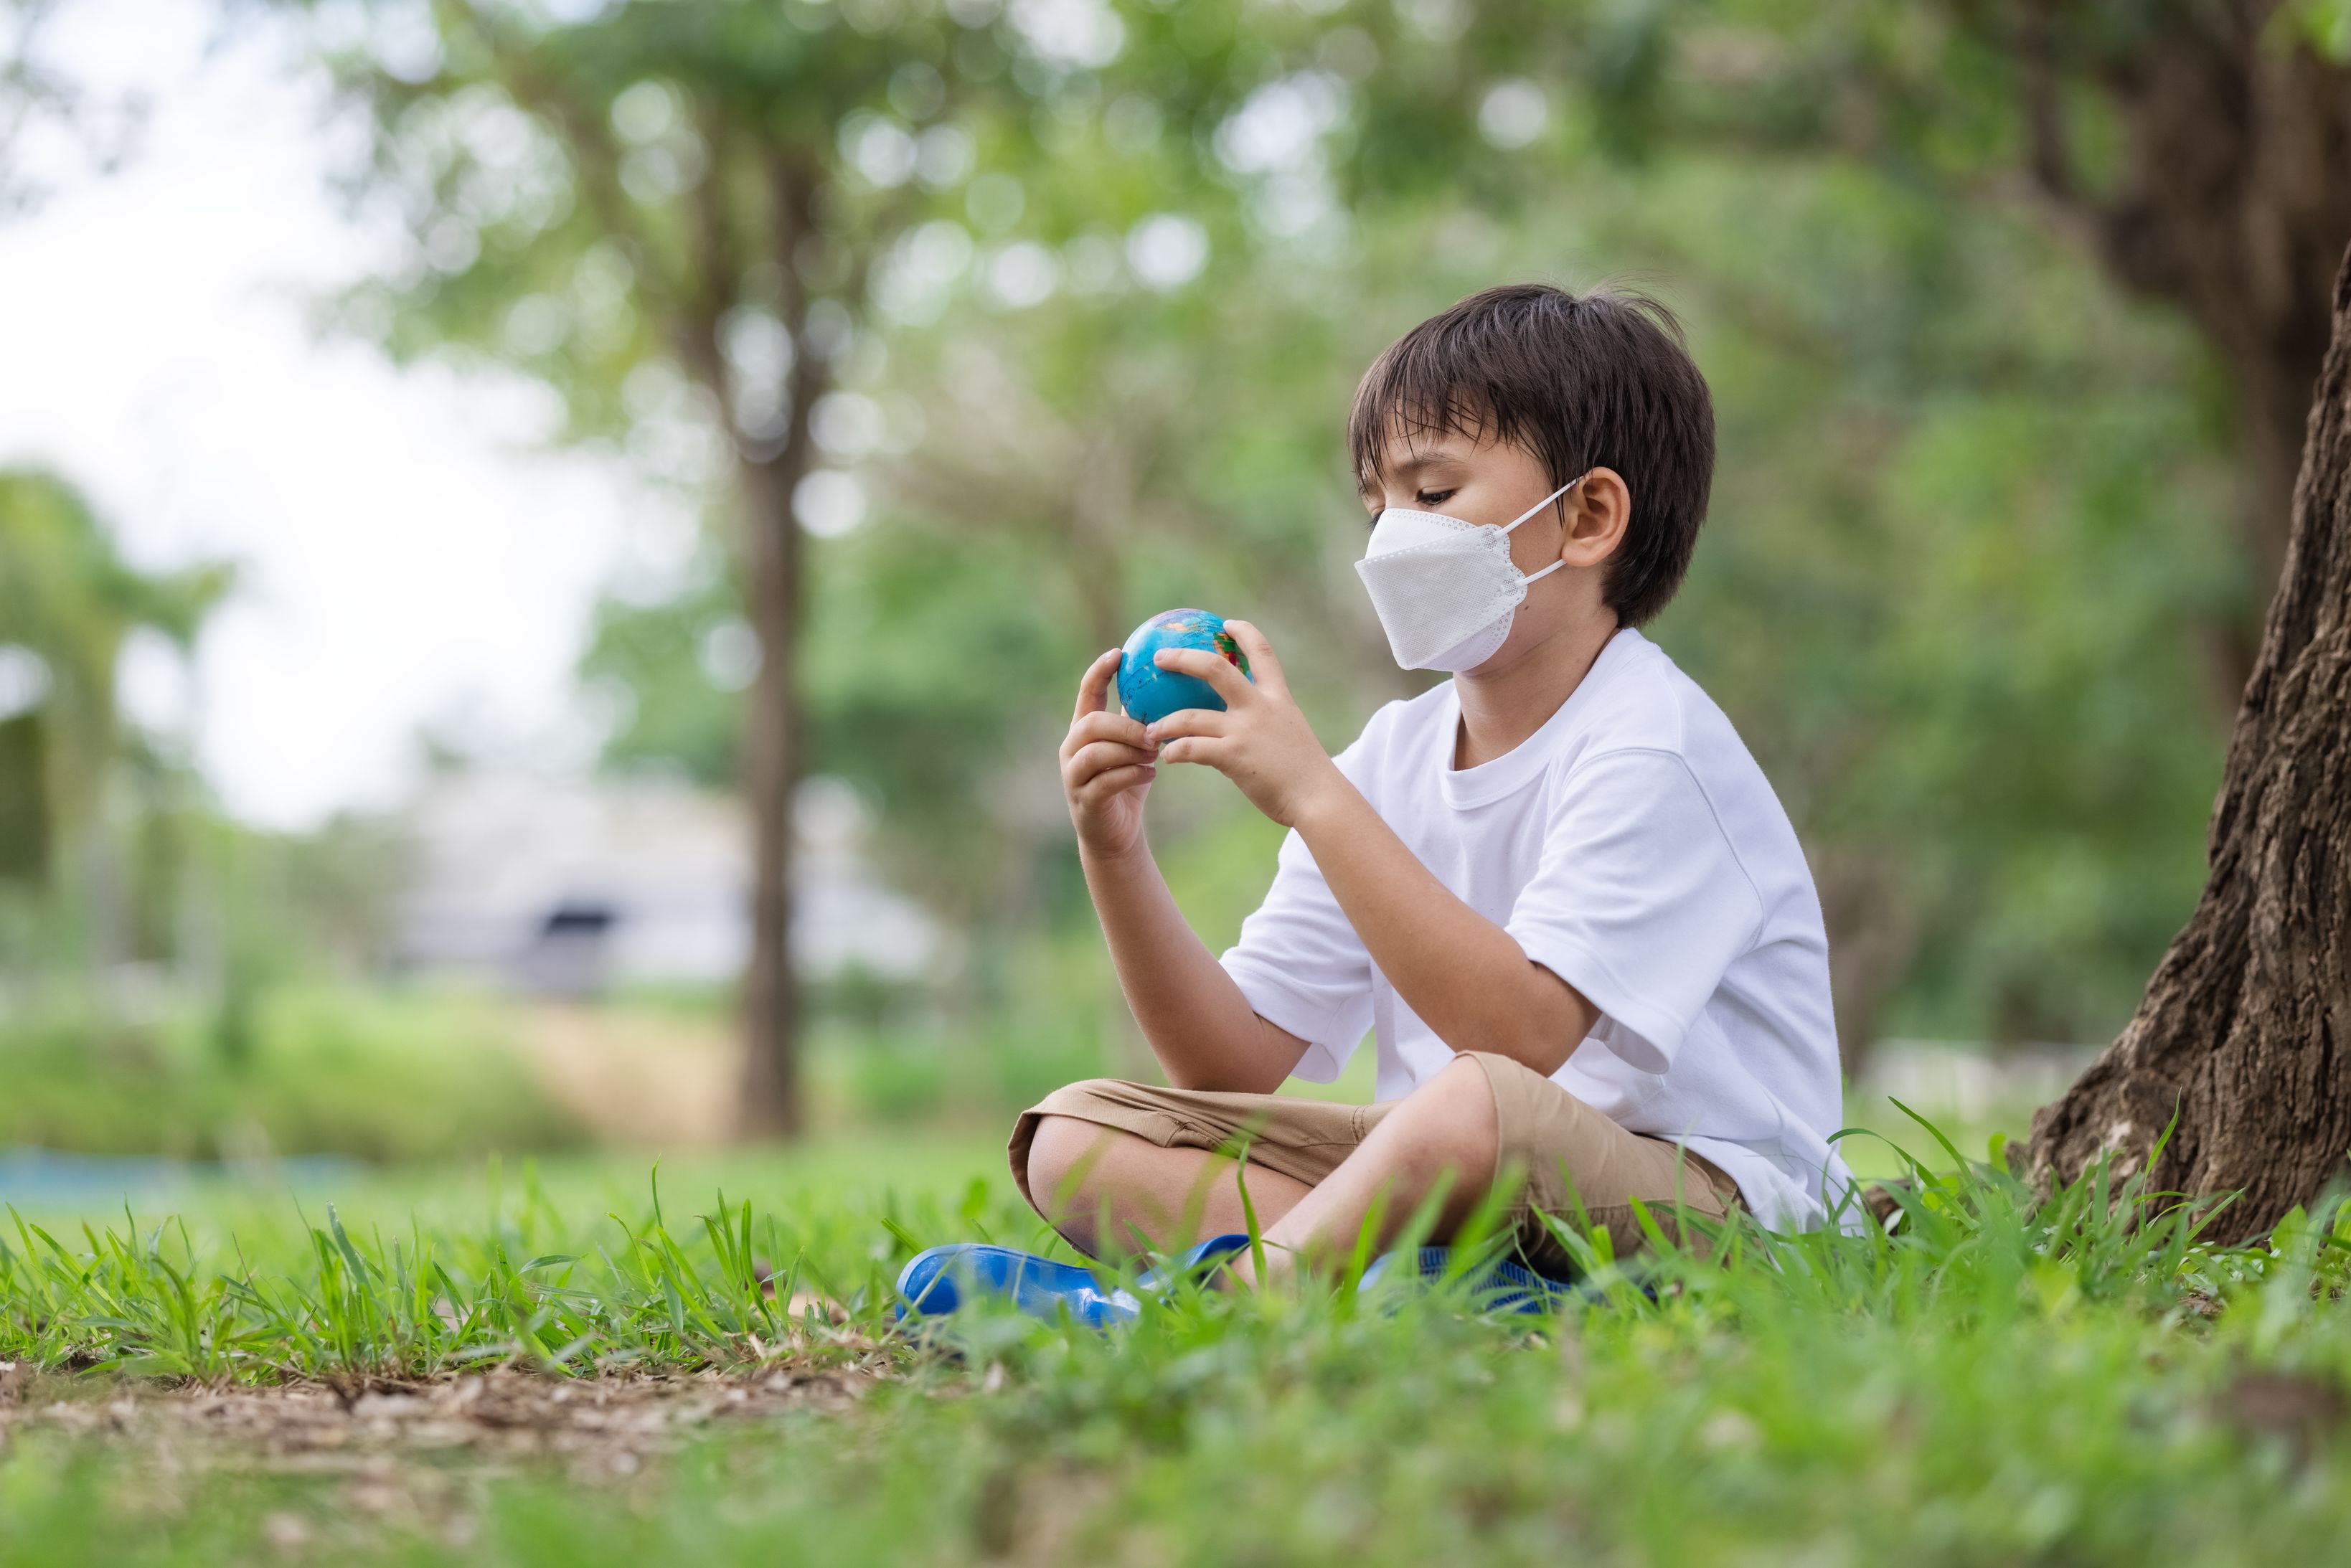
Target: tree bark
x=771 y=1103
x=1875 y=934
x=2243 y=1031
x=775 y=599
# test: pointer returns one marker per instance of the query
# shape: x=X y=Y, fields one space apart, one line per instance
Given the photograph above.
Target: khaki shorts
x=1566 y=1149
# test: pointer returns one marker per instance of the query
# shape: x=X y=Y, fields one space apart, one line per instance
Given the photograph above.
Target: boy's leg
x=1446 y=1134
x=1110 y=1192
x=1106 y=1187
x=1478 y=1116
x=1112 y=1164
x=1149 y=1158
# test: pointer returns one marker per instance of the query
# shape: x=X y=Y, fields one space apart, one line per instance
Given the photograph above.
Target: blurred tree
x=2199 y=150
x=1942 y=591
x=2203 y=152
x=676 y=666
x=1110 y=378
x=678 y=215
x=48 y=122
x=67 y=602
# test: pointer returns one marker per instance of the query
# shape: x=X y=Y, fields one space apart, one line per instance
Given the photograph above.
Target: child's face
x=1488 y=483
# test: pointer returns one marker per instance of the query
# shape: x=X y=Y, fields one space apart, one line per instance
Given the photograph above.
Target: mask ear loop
x=1539 y=506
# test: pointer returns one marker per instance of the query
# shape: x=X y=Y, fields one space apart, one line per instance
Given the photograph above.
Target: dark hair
x=1603 y=379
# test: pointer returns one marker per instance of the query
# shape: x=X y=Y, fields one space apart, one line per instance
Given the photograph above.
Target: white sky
x=412 y=550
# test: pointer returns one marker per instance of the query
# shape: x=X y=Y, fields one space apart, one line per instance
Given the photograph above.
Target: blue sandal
x=943 y=1279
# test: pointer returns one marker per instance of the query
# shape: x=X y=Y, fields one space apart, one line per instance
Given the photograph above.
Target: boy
x=1557 y=887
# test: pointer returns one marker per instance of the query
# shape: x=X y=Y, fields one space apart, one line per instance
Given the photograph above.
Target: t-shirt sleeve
x=1638 y=900
x=1302 y=966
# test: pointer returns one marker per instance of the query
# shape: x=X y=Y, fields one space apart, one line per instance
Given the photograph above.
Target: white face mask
x=1445 y=590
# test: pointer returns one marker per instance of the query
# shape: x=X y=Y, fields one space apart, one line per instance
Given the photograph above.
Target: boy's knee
x=1056 y=1151
x=1462 y=1087
x=1065 y=1159
x=1452 y=1118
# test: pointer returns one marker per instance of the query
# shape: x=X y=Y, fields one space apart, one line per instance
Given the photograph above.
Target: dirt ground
x=608 y=1425
x=403 y=1451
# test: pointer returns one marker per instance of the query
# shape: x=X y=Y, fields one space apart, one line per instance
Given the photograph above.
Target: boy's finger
x=1263 y=664
x=1102 y=725
x=1223 y=679
x=1205 y=749
x=1209 y=721
x=1093 y=688
x=1104 y=755
x=1102 y=786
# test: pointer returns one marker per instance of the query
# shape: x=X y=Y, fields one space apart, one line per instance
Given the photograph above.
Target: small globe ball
x=1150 y=693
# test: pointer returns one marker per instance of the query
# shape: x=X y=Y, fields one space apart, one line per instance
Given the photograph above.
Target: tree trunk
x=771 y=1103
x=1874 y=934
x=775 y=596
x=2238 y=204
x=2243 y=1029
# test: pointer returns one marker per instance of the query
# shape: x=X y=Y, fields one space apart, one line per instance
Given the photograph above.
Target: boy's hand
x=1260 y=741
x=1106 y=767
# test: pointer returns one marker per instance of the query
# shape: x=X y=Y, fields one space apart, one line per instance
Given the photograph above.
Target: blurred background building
x=569 y=888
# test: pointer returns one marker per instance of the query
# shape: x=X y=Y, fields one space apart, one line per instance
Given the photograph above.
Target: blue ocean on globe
x=1150 y=693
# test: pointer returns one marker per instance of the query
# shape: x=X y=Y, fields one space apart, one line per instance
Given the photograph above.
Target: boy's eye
x=1437 y=497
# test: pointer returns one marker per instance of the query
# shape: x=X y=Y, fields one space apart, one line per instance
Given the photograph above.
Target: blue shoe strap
x=1195 y=1262
x=1502 y=1284
x=1214 y=1250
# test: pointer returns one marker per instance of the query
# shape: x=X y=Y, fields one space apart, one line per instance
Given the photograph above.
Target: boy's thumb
x=1263 y=664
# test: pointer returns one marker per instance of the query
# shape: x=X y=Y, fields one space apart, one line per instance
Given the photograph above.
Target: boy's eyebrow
x=1405 y=469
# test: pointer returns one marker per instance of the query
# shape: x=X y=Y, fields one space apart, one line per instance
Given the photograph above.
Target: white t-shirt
x=1633 y=847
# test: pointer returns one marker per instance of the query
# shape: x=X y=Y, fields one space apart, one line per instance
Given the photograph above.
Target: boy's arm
x=1200 y=1025
x=1467 y=978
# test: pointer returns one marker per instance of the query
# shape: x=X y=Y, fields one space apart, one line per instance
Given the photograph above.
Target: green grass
x=2000 y=1381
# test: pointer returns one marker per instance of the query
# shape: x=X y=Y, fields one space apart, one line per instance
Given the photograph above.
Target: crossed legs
x=1109 y=1191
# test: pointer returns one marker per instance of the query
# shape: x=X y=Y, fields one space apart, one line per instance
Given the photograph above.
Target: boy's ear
x=1598 y=512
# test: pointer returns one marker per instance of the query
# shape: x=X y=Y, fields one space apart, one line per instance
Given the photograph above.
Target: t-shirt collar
x=1511 y=771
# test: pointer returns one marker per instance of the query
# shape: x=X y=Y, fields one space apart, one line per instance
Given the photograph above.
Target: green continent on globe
x=1150 y=693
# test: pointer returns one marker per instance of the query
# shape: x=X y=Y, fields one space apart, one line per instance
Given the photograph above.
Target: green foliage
x=1968 y=620
x=289 y=1068
x=676 y=712
x=67 y=602
x=2325 y=24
